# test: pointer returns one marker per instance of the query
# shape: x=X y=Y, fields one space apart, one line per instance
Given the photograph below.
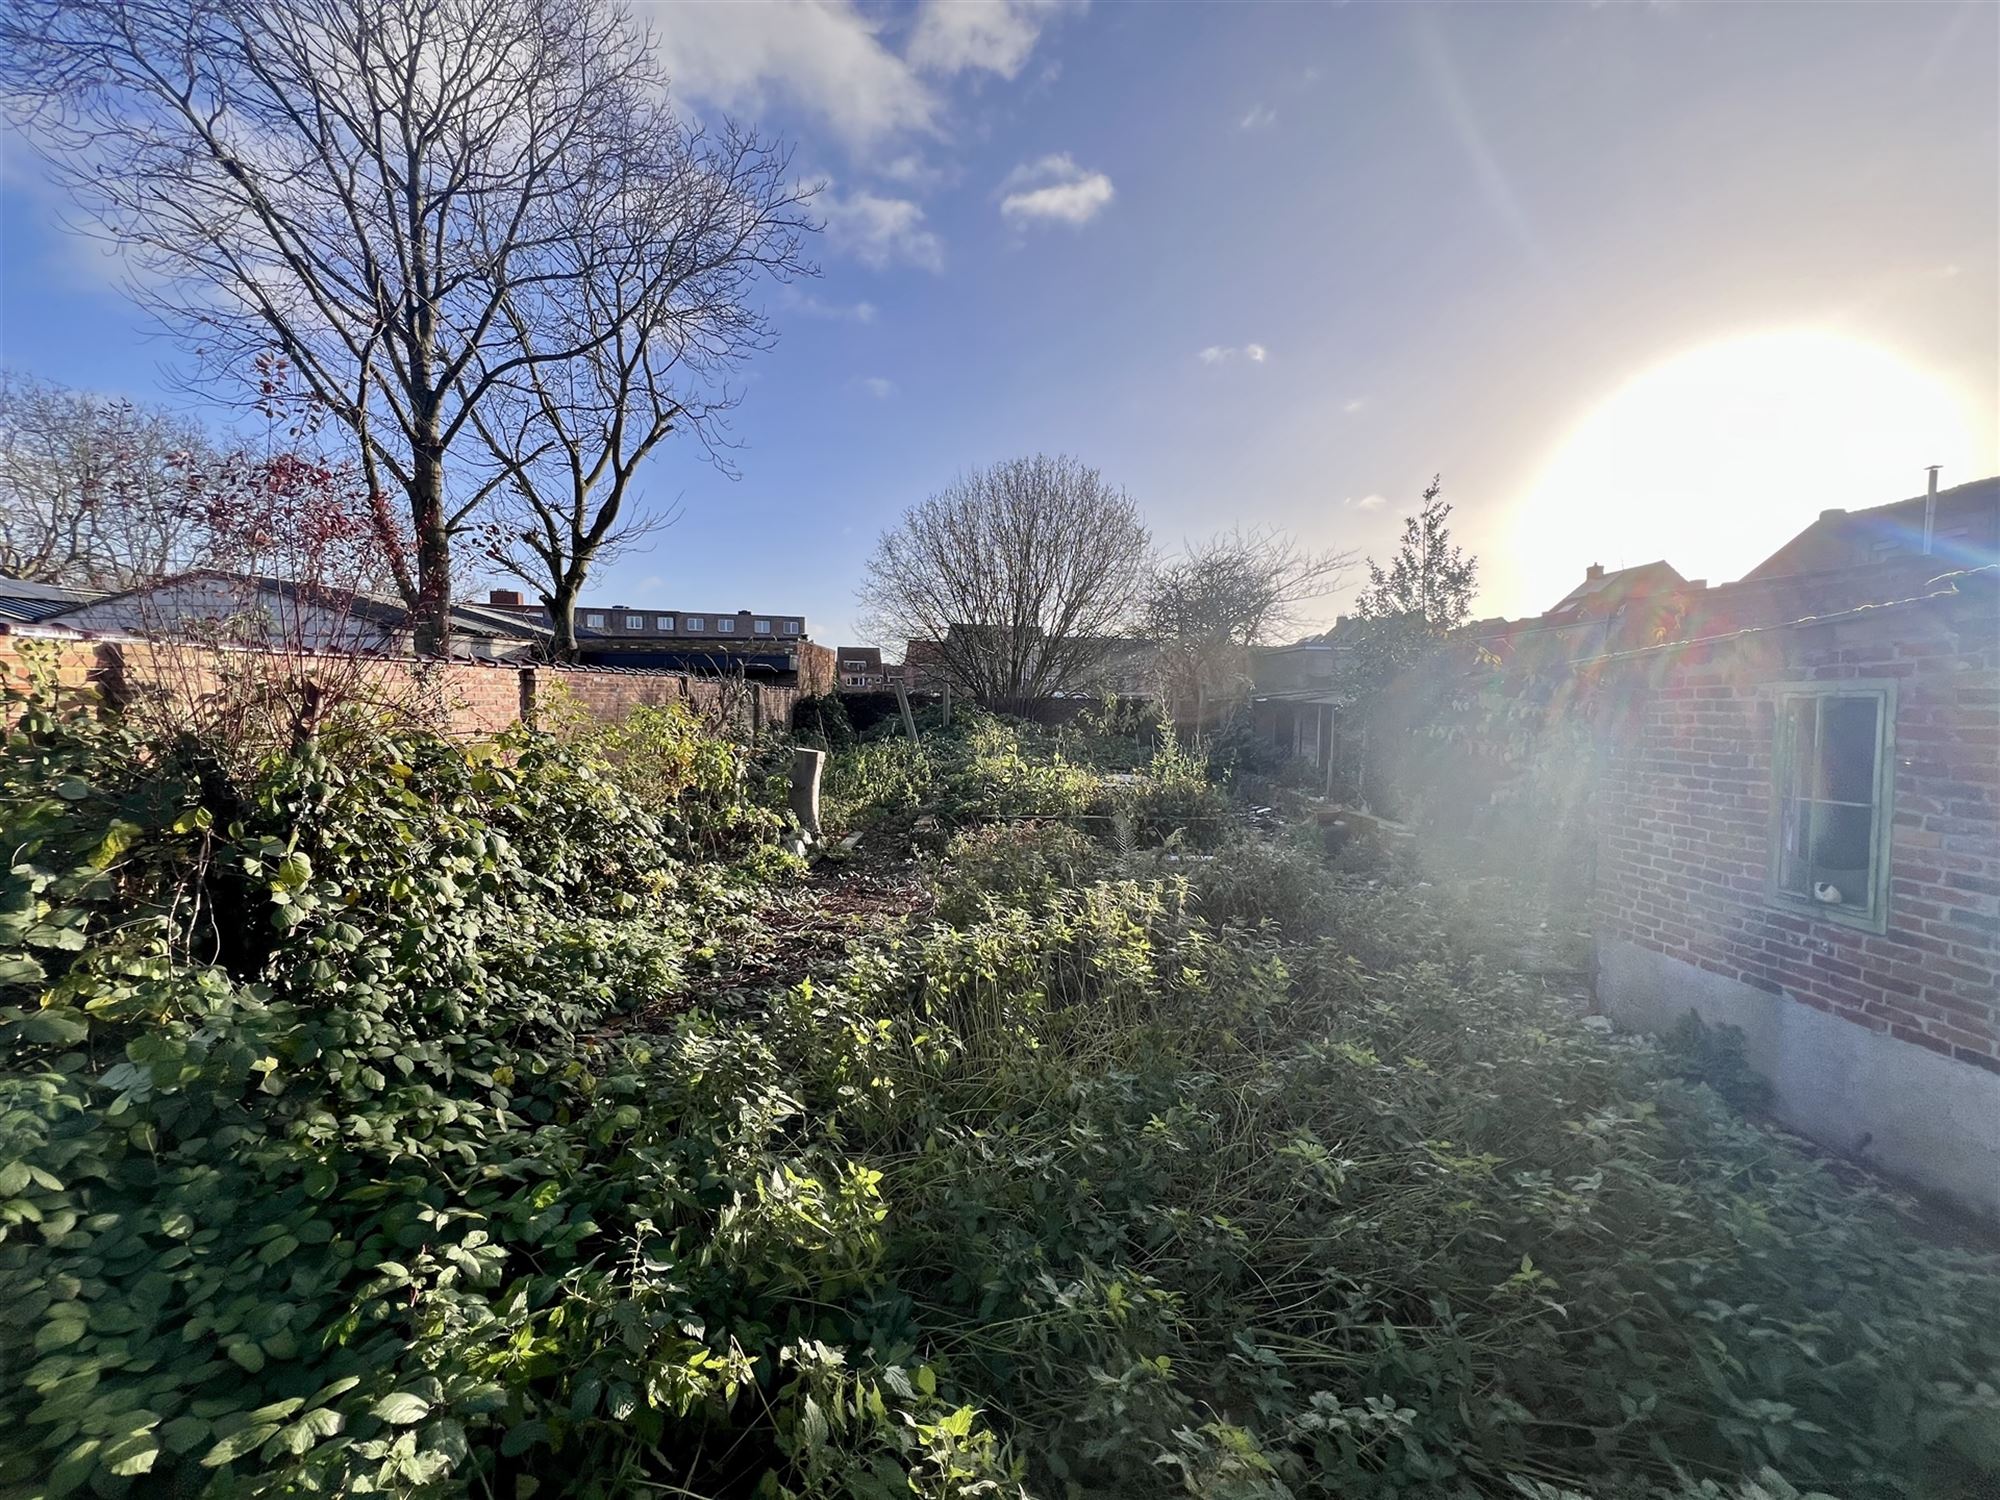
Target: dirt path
x=806 y=930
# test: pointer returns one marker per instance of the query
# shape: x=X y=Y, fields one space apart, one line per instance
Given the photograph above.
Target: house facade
x=1799 y=835
x=861 y=669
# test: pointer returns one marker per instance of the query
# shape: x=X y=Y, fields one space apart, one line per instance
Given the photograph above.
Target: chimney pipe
x=1594 y=572
x=1930 y=508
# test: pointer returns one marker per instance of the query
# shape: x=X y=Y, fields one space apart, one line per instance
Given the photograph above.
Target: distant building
x=861 y=669
x=1120 y=666
x=773 y=648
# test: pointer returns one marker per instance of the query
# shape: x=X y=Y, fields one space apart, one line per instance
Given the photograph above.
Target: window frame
x=725 y=624
x=760 y=627
x=593 y=619
x=694 y=624
x=1880 y=833
x=635 y=621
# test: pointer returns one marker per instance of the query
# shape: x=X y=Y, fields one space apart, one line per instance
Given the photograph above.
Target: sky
x=1636 y=281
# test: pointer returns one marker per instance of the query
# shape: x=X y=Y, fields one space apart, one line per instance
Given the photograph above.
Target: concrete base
x=1916 y=1115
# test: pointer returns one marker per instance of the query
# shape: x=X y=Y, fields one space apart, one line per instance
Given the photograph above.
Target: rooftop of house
x=26 y=602
x=1603 y=590
x=1965 y=533
x=377 y=609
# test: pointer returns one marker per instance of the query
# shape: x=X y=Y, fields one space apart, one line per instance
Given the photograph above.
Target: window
x=794 y=627
x=1832 y=770
x=593 y=621
x=763 y=627
x=694 y=622
x=635 y=622
x=725 y=625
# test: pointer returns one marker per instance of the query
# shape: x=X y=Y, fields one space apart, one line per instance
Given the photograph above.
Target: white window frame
x=725 y=625
x=635 y=622
x=593 y=619
x=762 y=627
x=692 y=623
x=795 y=627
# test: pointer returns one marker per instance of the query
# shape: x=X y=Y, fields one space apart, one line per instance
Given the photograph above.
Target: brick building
x=861 y=669
x=1799 y=835
x=769 y=648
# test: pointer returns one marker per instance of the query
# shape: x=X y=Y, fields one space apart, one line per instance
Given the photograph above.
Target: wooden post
x=909 y=719
x=947 y=705
x=806 y=768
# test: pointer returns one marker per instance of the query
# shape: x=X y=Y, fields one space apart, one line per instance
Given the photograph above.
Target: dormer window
x=725 y=625
x=763 y=627
x=635 y=622
x=694 y=622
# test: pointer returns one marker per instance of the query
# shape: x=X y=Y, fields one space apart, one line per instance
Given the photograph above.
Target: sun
x=1713 y=458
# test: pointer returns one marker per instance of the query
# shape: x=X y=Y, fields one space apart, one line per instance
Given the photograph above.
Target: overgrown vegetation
x=350 y=1143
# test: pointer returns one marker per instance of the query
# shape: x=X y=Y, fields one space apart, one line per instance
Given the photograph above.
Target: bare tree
x=89 y=486
x=379 y=188
x=1206 y=609
x=1022 y=575
x=680 y=232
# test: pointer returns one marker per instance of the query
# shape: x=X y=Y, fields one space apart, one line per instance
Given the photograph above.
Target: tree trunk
x=561 y=603
x=430 y=617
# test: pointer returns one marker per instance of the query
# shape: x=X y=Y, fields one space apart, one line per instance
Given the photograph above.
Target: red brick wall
x=471 y=699
x=1686 y=814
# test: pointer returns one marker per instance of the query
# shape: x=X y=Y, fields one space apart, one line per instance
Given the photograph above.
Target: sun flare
x=1713 y=458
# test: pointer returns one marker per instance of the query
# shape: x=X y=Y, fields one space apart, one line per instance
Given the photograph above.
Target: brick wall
x=1685 y=818
x=470 y=699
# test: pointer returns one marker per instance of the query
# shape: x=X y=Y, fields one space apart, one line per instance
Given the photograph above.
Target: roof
x=1966 y=534
x=1601 y=591
x=27 y=602
x=377 y=609
x=1977 y=584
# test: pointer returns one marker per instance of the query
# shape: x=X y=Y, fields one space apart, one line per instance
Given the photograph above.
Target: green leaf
x=134 y=1453
x=245 y=1439
x=62 y=1330
x=400 y=1408
x=247 y=1355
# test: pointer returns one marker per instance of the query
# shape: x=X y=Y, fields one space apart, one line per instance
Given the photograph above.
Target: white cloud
x=1222 y=354
x=913 y=171
x=878 y=231
x=995 y=36
x=1054 y=190
x=1353 y=404
x=836 y=312
x=1367 y=502
x=880 y=387
x=1259 y=117
x=822 y=55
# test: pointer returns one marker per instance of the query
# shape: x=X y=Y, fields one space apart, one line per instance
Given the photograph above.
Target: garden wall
x=471 y=699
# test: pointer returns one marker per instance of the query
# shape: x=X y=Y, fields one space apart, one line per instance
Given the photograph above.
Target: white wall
x=1915 y=1114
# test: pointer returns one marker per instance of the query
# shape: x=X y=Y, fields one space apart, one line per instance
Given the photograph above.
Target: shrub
x=345 y=1148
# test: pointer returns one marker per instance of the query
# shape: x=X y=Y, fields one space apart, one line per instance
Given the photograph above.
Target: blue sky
x=1638 y=281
